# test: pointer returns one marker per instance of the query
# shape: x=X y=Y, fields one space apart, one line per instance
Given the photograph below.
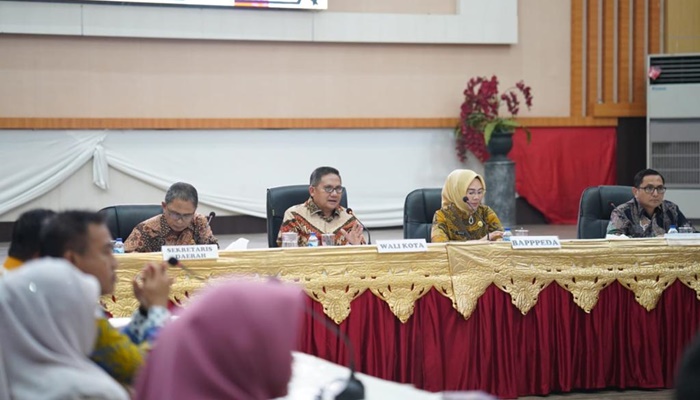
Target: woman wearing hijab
x=233 y=341
x=47 y=331
x=462 y=216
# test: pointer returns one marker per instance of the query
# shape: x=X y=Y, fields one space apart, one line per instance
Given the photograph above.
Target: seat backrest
x=418 y=211
x=597 y=203
x=279 y=199
x=122 y=219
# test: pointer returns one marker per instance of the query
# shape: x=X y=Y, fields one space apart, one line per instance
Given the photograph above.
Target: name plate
x=194 y=252
x=402 y=246
x=683 y=239
x=535 y=242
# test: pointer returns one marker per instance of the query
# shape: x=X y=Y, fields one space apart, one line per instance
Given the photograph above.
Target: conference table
x=479 y=316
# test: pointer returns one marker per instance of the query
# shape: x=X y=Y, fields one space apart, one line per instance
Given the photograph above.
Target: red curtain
x=552 y=170
x=556 y=347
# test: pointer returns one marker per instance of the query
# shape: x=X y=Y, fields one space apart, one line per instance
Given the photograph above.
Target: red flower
x=479 y=114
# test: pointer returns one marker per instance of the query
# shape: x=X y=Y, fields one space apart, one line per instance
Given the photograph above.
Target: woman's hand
x=493 y=236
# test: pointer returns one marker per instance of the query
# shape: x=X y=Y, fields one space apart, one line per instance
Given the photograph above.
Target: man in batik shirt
x=647 y=214
x=322 y=212
x=178 y=225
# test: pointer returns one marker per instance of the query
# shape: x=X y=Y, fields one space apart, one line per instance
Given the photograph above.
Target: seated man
x=647 y=214
x=322 y=212
x=178 y=225
x=84 y=239
x=25 y=237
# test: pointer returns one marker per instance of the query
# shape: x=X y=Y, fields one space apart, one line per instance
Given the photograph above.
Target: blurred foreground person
x=233 y=341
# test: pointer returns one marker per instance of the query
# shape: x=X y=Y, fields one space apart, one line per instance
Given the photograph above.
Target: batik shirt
x=632 y=220
x=450 y=223
x=308 y=217
x=122 y=353
x=150 y=235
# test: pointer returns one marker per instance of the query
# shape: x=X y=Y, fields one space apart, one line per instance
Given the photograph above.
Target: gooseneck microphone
x=612 y=206
x=211 y=216
x=465 y=199
x=352 y=389
x=369 y=235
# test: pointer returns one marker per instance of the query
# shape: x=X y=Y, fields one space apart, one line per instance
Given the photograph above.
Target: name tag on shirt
x=535 y=242
x=401 y=246
x=193 y=252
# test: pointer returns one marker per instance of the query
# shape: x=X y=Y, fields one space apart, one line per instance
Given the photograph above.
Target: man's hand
x=495 y=235
x=152 y=285
x=353 y=237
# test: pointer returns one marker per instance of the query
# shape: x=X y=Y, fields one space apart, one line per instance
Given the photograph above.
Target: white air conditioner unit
x=673 y=127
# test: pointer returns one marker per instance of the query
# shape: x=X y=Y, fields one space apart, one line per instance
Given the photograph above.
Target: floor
x=259 y=240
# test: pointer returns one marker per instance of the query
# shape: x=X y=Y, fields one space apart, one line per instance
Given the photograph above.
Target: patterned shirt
x=632 y=220
x=451 y=223
x=121 y=354
x=308 y=217
x=150 y=235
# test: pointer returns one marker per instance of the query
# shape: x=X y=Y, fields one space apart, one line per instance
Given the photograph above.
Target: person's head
x=82 y=238
x=47 y=314
x=232 y=324
x=326 y=188
x=463 y=184
x=649 y=189
x=26 y=234
x=181 y=201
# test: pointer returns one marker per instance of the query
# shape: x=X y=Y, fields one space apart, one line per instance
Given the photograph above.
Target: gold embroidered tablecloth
x=334 y=276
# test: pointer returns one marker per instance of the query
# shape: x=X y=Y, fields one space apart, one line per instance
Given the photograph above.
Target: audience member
x=47 y=330
x=462 y=216
x=233 y=341
x=688 y=377
x=25 y=237
x=647 y=214
x=84 y=239
x=322 y=212
x=178 y=225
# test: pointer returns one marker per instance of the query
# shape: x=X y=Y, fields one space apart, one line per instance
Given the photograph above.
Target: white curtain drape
x=232 y=169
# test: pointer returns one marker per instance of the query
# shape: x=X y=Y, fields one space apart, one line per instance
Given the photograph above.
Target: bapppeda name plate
x=193 y=252
x=535 y=242
x=402 y=246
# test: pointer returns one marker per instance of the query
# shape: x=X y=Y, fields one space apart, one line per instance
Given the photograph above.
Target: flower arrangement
x=479 y=117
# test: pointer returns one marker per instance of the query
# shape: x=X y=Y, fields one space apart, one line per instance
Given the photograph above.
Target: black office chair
x=418 y=211
x=121 y=220
x=279 y=199
x=597 y=203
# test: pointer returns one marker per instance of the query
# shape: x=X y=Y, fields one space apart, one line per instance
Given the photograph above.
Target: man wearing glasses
x=647 y=214
x=178 y=225
x=322 y=212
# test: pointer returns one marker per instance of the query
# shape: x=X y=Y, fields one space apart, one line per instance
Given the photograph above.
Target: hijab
x=234 y=341
x=47 y=331
x=455 y=188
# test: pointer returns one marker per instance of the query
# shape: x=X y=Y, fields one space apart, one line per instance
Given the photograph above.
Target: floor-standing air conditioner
x=673 y=127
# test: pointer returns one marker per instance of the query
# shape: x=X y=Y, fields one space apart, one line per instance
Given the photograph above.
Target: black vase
x=500 y=144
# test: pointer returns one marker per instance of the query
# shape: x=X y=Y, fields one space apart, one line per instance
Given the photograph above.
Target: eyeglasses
x=177 y=215
x=331 y=189
x=650 y=189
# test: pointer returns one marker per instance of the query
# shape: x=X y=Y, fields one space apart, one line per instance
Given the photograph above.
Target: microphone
x=211 y=216
x=369 y=235
x=612 y=206
x=465 y=199
x=176 y=263
x=352 y=389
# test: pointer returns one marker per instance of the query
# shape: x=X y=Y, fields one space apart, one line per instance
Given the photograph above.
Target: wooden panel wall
x=610 y=40
x=682 y=26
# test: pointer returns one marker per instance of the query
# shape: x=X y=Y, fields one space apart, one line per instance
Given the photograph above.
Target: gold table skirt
x=335 y=276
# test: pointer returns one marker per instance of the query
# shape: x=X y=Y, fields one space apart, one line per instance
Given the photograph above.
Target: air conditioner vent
x=676 y=70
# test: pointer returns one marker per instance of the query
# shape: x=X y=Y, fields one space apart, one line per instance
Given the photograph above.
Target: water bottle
x=672 y=230
x=118 y=247
x=313 y=240
x=507 y=235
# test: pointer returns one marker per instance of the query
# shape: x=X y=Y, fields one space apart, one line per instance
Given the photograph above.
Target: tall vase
x=499 y=172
